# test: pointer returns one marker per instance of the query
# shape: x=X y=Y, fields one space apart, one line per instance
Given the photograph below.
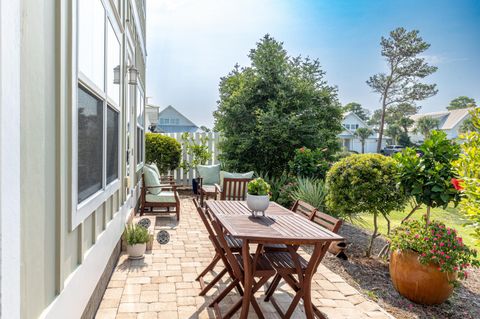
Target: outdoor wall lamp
x=132 y=75
x=116 y=75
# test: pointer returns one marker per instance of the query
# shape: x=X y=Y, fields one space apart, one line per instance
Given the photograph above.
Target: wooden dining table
x=279 y=226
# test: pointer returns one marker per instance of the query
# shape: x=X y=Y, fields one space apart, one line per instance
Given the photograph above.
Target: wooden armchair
x=233 y=189
x=166 y=198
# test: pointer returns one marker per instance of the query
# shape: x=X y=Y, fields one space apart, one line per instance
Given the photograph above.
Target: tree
x=405 y=68
x=394 y=132
x=364 y=183
x=425 y=125
x=427 y=177
x=405 y=123
x=461 y=102
x=358 y=110
x=274 y=106
x=468 y=126
x=205 y=129
x=363 y=133
x=467 y=167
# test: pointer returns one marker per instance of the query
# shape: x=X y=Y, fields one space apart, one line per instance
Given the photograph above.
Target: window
x=140 y=125
x=97 y=111
x=90 y=144
x=112 y=145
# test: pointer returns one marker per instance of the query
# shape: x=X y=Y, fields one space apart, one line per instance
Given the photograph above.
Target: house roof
x=179 y=114
x=448 y=119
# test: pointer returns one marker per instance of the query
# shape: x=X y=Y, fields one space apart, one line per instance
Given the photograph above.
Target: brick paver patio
x=163 y=284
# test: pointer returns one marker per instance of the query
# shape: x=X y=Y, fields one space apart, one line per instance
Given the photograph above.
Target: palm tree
x=394 y=132
x=425 y=125
x=363 y=133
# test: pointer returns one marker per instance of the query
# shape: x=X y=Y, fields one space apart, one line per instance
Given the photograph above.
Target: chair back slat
x=203 y=216
x=304 y=209
x=234 y=188
x=326 y=221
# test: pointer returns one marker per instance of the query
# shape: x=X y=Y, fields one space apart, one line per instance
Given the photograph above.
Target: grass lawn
x=450 y=216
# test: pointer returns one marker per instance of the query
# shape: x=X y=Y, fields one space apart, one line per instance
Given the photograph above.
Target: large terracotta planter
x=422 y=284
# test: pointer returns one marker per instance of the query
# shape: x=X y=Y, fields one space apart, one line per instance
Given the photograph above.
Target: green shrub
x=258 y=187
x=468 y=168
x=309 y=163
x=312 y=191
x=427 y=177
x=364 y=183
x=342 y=154
x=276 y=183
x=162 y=150
x=135 y=234
x=197 y=150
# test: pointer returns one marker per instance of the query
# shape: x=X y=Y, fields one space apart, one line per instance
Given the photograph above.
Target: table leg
x=248 y=279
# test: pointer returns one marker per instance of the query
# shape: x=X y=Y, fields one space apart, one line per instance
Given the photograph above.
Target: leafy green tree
x=364 y=183
x=394 y=132
x=274 y=106
x=468 y=126
x=363 y=133
x=425 y=125
x=375 y=118
x=397 y=113
x=427 y=178
x=309 y=163
x=197 y=150
x=461 y=102
x=358 y=110
x=401 y=83
x=162 y=150
x=405 y=123
x=404 y=139
x=467 y=167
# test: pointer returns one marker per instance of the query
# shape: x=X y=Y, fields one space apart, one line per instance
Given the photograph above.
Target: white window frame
x=137 y=126
x=80 y=211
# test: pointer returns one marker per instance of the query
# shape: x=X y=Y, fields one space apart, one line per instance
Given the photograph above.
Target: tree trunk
x=427 y=218
x=363 y=147
x=414 y=209
x=374 y=235
x=382 y=124
x=388 y=224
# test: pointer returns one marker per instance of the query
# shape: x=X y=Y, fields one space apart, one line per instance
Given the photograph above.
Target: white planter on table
x=258 y=203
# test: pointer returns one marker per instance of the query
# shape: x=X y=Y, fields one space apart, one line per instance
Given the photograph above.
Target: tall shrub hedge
x=162 y=150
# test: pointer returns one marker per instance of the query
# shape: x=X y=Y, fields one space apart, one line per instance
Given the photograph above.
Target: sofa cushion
x=152 y=179
x=224 y=174
x=209 y=173
x=155 y=168
x=162 y=197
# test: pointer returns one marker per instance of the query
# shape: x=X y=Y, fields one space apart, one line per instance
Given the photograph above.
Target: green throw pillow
x=155 y=168
x=224 y=174
x=151 y=179
x=209 y=173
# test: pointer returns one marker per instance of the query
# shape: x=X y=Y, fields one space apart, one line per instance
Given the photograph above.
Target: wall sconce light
x=116 y=75
x=132 y=75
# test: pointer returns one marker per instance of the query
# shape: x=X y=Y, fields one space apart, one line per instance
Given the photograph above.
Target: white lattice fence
x=184 y=177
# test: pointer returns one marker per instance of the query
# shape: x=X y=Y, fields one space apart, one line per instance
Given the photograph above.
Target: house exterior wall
x=350 y=142
x=62 y=260
x=170 y=121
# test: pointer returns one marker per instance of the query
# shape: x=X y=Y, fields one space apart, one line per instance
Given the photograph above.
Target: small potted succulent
x=427 y=260
x=258 y=196
x=136 y=237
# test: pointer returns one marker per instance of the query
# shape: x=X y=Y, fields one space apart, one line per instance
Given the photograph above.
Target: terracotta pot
x=422 y=284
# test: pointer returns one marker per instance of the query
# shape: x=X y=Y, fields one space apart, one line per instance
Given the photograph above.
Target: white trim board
x=80 y=285
x=10 y=252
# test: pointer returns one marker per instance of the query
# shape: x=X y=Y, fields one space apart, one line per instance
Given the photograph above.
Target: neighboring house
x=151 y=116
x=72 y=87
x=172 y=121
x=449 y=121
x=351 y=122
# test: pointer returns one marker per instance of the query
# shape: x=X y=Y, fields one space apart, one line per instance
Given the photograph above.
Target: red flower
x=456 y=183
x=302 y=149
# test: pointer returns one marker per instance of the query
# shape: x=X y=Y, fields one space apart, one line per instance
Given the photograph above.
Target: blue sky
x=191 y=44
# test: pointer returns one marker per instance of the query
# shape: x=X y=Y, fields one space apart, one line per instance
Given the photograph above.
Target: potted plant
x=136 y=237
x=198 y=153
x=427 y=259
x=258 y=196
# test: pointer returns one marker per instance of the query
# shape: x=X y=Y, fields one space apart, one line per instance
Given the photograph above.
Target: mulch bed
x=371 y=277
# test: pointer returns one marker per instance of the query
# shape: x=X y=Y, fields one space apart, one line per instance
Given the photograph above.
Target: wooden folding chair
x=262 y=270
x=289 y=263
x=234 y=244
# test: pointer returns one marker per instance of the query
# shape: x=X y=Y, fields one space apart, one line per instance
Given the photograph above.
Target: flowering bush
x=435 y=244
x=309 y=163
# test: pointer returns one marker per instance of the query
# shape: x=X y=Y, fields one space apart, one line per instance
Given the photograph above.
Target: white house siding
x=61 y=261
x=352 y=143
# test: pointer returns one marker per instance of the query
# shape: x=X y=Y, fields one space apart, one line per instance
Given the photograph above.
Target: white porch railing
x=184 y=177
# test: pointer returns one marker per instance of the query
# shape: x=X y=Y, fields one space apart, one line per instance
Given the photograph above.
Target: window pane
x=90 y=144
x=112 y=145
x=140 y=140
x=91 y=40
x=140 y=108
x=113 y=61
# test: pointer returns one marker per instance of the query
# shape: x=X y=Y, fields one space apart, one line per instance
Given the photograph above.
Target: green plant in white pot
x=136 y=237
x=258 y=196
